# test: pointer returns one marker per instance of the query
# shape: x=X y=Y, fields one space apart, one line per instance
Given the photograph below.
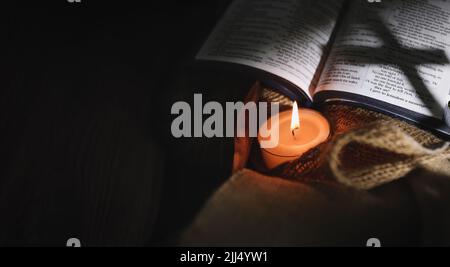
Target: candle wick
x=293 y=132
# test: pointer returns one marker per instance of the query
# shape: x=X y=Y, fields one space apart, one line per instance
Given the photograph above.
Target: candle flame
x=295 y=121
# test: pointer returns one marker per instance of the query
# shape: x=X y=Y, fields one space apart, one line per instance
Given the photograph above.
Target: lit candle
x=299 y=131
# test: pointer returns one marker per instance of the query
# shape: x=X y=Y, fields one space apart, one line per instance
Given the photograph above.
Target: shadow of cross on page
x=410 y=59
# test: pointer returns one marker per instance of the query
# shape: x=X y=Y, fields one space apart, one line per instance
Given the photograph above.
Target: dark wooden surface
x=85 y=148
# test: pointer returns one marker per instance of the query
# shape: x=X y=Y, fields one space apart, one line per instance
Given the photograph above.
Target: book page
x=284 y=37
x=396 y=51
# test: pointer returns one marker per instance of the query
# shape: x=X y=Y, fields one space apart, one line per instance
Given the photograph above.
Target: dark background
x=85 y=147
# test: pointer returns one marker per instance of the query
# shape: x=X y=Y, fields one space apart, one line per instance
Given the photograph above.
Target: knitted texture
x=371 y=149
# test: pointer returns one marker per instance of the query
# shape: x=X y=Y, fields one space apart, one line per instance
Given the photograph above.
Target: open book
x=391 y=56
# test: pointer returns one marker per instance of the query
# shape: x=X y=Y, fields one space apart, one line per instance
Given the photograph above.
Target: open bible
x=391 y=56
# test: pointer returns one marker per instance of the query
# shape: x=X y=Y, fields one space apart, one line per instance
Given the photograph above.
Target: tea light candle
x=299 y=131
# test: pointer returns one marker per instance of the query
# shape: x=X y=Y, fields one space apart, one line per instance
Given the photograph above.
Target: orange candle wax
x=299 y=131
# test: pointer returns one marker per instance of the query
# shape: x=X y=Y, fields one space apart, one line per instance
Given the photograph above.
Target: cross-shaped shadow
x=406 y=59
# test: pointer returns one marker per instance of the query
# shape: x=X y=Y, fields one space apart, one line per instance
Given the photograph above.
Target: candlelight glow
x=295 y=121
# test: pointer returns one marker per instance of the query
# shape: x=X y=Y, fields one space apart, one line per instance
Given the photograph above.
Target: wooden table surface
x=84 y=118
